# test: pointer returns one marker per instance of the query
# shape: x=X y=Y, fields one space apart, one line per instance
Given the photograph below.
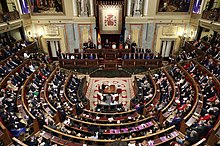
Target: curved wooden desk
x=97 y=141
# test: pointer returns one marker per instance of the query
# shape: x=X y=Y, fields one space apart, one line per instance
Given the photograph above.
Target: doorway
x=54 y=49
x=166 y=48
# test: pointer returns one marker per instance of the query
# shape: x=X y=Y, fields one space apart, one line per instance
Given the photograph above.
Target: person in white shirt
x=132 y=143
x=31 y=67
x=23 y=44
x=113 y=46
x=72 y=57
x=26 y=56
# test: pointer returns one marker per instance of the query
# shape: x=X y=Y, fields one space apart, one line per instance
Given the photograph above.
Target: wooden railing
x=4 y=134
x=17 y=141
x=24 y=100
x=154 y=101
x=161 y=116
x=64 y=90
x=188 y=117
x=157 y=97
x=81 y=93
x=200 y=143
x=45 y=96
x=110 y=125
x=138 y=94
x=105 y=114
x=107 y=142
x=214 y=137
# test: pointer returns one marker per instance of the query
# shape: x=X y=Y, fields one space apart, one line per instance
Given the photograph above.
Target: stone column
x=91 y=2
x=129 y=8
x=75 y=8
x=145 y=9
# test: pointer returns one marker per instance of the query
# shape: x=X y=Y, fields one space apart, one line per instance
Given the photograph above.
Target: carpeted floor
x=124 y=98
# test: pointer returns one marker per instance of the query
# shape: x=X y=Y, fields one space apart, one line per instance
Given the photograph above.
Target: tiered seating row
x=169 y=132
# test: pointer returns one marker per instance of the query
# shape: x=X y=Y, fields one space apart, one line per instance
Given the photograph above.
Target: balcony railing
x=10 y=16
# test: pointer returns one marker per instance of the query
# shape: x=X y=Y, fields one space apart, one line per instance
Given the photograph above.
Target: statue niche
x=83 y=7
x=137 y=7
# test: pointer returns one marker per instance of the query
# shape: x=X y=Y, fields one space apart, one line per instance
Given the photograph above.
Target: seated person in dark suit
x=85 y=45
x=107 y=44
x=8 y=51
x=91 y=45
x=132 y=56
x=4 y=70
x=125 y=56
x=103 y=87
x=2 y=56
x=17 y=60
x=176 y=121
x=133 y=47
